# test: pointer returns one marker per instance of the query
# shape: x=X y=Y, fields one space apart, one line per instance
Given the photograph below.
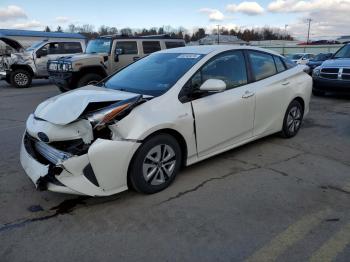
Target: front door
x=125 y=52
x=226 y=118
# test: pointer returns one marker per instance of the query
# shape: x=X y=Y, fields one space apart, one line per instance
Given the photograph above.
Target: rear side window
x=169 y=45
x=150 y=46
x=289 y=63
x=71 y=48
x=279 y=64
x=127 y=47
x=262 y=65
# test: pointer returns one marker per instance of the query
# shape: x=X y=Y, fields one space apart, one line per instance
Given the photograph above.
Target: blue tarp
x=30 y=33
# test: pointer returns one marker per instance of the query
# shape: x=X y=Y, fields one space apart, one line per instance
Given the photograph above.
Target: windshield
x=343 y=52
x=154 y=74
x=99 y=46
x=34 y=46
x=295 y=56
x=321 y=57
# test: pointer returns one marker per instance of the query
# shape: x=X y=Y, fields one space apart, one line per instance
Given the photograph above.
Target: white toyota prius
x=171 y=109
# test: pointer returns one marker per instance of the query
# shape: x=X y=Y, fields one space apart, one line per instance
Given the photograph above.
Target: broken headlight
x=116 y=111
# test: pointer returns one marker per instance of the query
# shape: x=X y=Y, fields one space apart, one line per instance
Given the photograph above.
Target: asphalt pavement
x=273 y=199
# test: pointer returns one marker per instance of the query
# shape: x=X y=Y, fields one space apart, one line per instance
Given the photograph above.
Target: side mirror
x=118 y=51
x=213 y=85
x=41 y=52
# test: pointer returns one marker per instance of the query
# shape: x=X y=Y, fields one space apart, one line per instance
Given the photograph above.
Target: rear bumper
x=331 y=85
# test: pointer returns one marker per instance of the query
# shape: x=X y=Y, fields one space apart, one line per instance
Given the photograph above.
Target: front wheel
x=155 y=164
x=21 y=78
x=292 y=119
x=89 y=79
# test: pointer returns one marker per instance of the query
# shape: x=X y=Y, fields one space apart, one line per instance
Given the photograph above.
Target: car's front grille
x=335 y=73
x=330 y=70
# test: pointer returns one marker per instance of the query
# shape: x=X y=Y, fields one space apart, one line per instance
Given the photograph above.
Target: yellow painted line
x=284 y=240
x=333 y=246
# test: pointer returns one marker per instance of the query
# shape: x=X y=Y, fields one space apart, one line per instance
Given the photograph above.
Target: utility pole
x=308 y=30
x=285 y=31
x=218 y=33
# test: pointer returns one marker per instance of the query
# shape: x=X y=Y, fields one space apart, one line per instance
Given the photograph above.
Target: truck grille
x=335 y=73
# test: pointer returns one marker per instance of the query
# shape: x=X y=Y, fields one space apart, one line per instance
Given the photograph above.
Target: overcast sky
x=330 y=18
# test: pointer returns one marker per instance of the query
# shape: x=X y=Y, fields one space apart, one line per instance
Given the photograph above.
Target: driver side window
x=229 y=67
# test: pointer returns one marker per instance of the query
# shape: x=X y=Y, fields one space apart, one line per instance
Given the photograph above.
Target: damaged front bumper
x=101 y=171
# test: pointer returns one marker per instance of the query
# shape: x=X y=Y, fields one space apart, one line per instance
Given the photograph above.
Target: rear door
x=271 y=84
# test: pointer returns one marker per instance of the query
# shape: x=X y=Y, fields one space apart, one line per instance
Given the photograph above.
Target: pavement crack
x=335 y=188
x=203 y=183
x=12 y=120
x=65 y=207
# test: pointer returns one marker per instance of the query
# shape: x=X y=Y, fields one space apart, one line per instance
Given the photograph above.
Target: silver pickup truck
x=22 y=66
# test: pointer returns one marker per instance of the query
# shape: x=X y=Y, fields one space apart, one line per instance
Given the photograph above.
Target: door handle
x=247 y=94
x=285 y=83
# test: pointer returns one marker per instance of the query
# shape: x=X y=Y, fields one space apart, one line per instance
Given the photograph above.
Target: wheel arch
x=300 y=100
x=172 y=132
x=92 y=70
x=23 y=67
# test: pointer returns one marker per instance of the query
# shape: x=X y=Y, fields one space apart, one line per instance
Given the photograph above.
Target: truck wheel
x=89 y=79
x=21 y=78
x=8 y=79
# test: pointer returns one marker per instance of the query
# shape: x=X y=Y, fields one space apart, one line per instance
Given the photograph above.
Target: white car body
x=304 y=59
x=204 y=127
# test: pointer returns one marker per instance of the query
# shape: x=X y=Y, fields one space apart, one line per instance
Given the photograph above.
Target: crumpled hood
x=340 y=62
x=67 y=107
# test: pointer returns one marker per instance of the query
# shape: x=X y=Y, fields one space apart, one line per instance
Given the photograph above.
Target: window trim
x=183 y=99
x=272 y=55
x=143 y=48
x=128 y=41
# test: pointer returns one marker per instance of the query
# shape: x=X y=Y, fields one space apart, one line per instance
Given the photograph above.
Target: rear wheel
x=89 y=79
x=21 y=78
x=155 y=164
x=292 y=119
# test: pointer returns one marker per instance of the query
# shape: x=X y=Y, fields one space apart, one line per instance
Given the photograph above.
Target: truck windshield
x=343 y=52
x=34 y=46
x=99 y=46
x=154 y=74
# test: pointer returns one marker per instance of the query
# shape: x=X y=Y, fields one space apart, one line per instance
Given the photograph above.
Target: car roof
x=206 y=49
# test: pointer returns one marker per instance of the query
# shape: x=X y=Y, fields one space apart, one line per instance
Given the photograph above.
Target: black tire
x=292 y=119
x=142 y=165
x=318 y=92
x=8 y=79
x=89 y=79
x=64 y=89
x=21 y=78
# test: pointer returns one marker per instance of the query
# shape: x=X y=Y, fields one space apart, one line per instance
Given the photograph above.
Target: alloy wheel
x=21 y=79
x=294 y=119
x=159 y=164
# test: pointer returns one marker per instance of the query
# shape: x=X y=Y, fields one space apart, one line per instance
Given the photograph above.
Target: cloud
x=12 y=12
x=28 y=25
x=248 y=8
x=213 y=14
x=330 y=18
x=295 y=6
x=62 y=19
